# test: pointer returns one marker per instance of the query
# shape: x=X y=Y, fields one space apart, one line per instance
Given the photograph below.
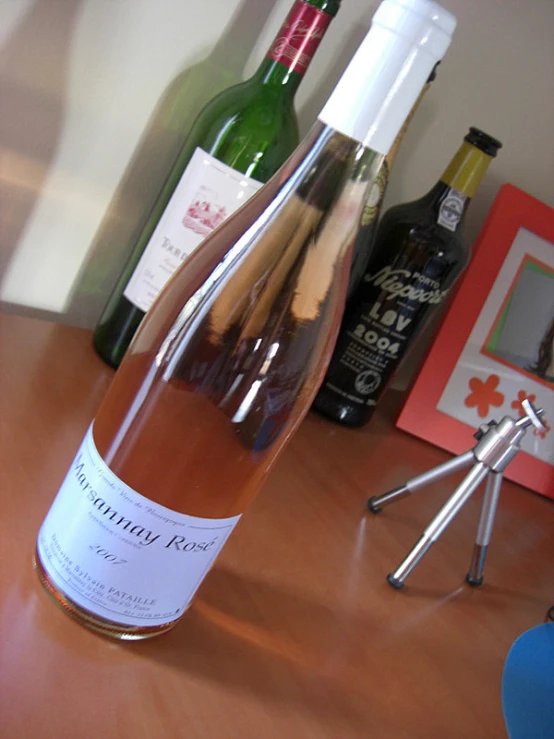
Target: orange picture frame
x=495 y=346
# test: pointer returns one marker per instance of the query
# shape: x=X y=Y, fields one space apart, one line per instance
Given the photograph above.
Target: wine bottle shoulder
x=250 y=127
x=421 y=217
x=406 y=237
x=421 y=211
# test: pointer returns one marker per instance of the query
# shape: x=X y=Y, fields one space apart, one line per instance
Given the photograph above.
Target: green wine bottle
x=237 y=142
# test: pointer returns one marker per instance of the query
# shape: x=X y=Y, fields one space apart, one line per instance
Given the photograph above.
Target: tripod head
x=498 y=443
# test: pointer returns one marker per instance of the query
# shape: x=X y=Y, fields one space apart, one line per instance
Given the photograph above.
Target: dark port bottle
x=419 y=253
x=237 y=142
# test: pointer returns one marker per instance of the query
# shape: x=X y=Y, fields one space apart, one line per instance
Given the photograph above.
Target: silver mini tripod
x=498 y=444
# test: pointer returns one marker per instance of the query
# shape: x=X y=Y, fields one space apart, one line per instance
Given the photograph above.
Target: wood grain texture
x=295 y=632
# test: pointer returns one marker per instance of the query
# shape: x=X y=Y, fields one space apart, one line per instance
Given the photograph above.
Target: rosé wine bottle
x=226 y=364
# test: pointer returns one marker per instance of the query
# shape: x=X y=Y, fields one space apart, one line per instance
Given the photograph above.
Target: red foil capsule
x=299 y=37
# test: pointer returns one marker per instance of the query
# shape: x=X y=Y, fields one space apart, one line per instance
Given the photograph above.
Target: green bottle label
x=208 y=192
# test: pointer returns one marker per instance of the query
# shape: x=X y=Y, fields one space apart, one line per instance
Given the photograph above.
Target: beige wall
x=96 y=94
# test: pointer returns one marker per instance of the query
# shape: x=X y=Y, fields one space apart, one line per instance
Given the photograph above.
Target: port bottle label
x=207 y=193
x=451 y=209
x=119 y=555
x=395 y=307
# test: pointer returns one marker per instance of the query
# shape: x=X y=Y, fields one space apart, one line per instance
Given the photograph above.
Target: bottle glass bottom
x=335 y=409
x=88 y=619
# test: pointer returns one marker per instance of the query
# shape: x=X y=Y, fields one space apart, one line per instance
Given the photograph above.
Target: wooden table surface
x=295 y=633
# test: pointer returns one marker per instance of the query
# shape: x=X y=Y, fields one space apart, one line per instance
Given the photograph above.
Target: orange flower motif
x=521 y=396
x=484 y=394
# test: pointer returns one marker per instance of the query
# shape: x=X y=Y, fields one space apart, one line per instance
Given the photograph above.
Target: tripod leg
x=490 y=501
x=462 y=493
x=377 y=502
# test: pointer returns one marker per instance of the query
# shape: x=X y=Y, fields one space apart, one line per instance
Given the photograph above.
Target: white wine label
x=451 y=209
x=120 y=555
x=207 y=193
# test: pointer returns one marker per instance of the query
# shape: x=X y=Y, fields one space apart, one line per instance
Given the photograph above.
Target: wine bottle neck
x=295 y=44
x=386 y=74
x=391 y=156
x=452 y=194
x=276 y=75
x=466 y=170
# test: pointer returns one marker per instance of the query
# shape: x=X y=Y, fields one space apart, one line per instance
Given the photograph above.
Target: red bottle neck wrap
x=299 y=37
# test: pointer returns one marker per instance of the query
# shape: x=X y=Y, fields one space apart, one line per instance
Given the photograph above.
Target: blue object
x=528 y=685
